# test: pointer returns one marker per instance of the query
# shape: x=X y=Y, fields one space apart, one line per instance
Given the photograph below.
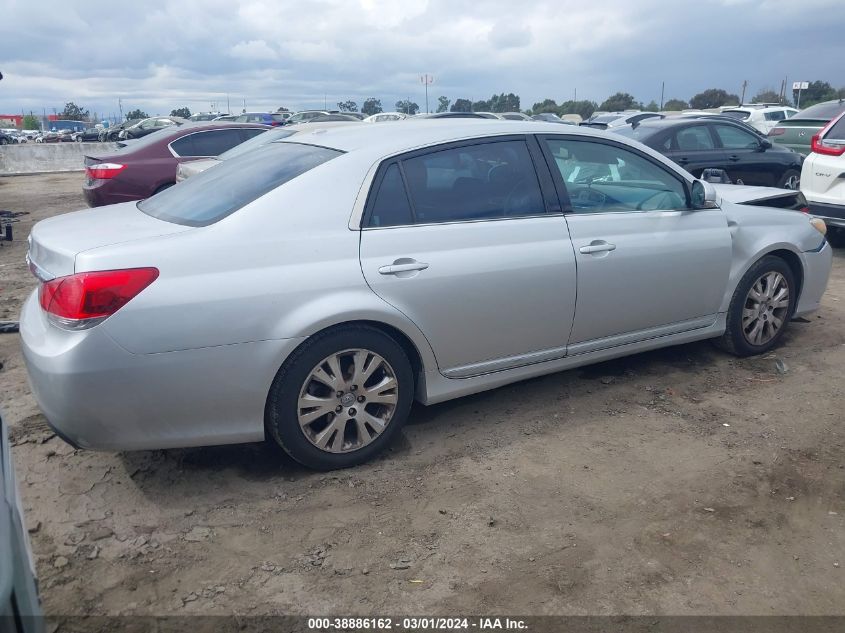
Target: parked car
x=112 y=133
x=57 y=136
x=87 y=135
x=710 y=116
x=452 y=115
x=823 y=178
x=191 y=168
x=6 y=139
x=619 y=119
x=385 y=116
x=306 y=115
x=146 y=166
x=20 y=609
x=205 y=116
x=313 y=288
x=148 y=126
x=515 y=116
x=550 y=117
x=761 y=119
x=699 y=144
x=797 y=131
x=265 y=118
x=226 y=117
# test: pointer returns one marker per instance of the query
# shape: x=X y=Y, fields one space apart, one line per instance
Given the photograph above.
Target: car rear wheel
x=791 y=179
x=340 y=398
x=761 y=307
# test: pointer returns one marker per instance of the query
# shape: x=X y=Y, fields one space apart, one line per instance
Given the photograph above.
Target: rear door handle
x=393 y=269
x=683 y=161
x=597 y=247
x=733 y=157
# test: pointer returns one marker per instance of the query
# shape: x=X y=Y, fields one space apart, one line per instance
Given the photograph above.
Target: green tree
x=137 y=113
x=184 y=112
x=443 y=104
x=282 y=109
x=713 y=98
x=461 y=105
x=73 y=112
x=652 y=106
x=504 y=103
x=620 y=101
x=347 y=106
x=371 y=106
x=766 y=96
x=817 y=92
x=676 y=104
x=408 y=107
x=30 y=122
x=547 y=105
x=480 y=106
x=584 y=109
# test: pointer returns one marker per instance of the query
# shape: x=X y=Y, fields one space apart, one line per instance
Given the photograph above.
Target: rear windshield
x=639 y=133
x=737 y=114
x=823 y=111
x=215 y=193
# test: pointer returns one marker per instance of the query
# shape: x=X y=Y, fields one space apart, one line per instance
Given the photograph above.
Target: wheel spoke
x=748 y=315
x=320 y=375
x=313 y=408
x=376 y=393
x=775 y=323
x=334 y=366
x=365 y=436
x=377 y=423
x=328 y=437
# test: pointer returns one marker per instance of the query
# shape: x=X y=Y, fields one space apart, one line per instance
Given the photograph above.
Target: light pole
x=426 y=80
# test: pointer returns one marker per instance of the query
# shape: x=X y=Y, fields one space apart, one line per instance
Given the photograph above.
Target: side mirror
x=703 y=195
x=765 y=144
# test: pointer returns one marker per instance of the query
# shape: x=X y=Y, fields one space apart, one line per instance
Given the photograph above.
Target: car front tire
x=791 y=179
x=760 y=309
x=341 y=397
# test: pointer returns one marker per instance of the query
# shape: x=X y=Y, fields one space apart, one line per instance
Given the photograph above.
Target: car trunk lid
x=54 y=243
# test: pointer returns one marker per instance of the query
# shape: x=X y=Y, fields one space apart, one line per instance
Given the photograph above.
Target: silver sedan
x=312 y=289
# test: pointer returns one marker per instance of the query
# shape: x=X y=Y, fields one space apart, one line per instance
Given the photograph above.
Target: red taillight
x=804 y=209
x=777 y=131
x=819 y=147
x=84 y=299
x=103 y=171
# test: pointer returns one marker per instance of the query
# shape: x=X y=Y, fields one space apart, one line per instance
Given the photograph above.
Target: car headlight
x=819 y=225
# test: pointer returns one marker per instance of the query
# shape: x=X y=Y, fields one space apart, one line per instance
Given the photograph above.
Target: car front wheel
x=341 y=397
x=791 y=179
x=761 y=307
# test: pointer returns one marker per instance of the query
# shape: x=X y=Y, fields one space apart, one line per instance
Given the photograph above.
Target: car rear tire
x=319 y=414
x=761 y=307
x=791 y=179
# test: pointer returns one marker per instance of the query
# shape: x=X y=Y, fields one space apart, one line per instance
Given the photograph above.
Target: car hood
x=740 y=194
x=55 y=242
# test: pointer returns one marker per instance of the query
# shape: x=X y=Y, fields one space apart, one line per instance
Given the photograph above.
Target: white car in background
x=385 y=116
x=762 y=119
x=823 y=178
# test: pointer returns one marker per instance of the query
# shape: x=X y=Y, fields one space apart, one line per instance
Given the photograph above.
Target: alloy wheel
x=347 y=400
x=766 y=307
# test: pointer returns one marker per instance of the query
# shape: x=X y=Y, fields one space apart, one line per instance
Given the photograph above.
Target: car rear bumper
x=832 y=214
x=98 y=395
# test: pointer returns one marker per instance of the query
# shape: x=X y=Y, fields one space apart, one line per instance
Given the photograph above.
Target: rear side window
x=734 y=138
x=210 y=143
x=694 y=138
x=837 y=132
x=476 y=182
x=391 y=207
x=215 y=193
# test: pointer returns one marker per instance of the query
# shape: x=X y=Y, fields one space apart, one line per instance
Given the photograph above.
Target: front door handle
x=733 y=158
x=404 y=267
x=597 y=246
x=683 y=161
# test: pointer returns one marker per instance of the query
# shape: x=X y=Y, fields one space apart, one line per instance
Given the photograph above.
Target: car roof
x=417 y=133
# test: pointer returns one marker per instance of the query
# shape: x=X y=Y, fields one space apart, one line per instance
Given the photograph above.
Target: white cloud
x=253 y=49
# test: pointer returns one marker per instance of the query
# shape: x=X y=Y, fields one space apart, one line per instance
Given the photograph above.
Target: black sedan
x=698 y=144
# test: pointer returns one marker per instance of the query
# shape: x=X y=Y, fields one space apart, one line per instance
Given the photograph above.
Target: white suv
x=823 y=177
x=762 y=119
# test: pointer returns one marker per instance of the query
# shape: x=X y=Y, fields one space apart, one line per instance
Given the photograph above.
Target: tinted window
x=210 y=143
x=601 y=178
x=776 y=115
x=737 y=114
x=390 y=206
x=216 y=193
x=492 y=180
x=822 y=111
x=734 y=138
x=837 y=132
x=694 y=138
x=260 y=138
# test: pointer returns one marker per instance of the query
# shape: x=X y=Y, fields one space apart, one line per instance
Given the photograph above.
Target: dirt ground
x=682 y=481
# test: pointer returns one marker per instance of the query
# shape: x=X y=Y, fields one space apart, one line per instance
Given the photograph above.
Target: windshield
x=823 y=111
x=215 y=193
x=737 y=114
x=257 y=141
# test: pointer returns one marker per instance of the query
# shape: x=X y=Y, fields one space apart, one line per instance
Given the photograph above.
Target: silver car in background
x=311 y=289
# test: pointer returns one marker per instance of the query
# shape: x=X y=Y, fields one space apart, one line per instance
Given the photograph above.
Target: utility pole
x=120 y=107
x=426 y=79
x=662 y=93
x=228 y=109
x=744 y=86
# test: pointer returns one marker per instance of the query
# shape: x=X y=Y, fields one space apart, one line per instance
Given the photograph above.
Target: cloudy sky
x=265 y=54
